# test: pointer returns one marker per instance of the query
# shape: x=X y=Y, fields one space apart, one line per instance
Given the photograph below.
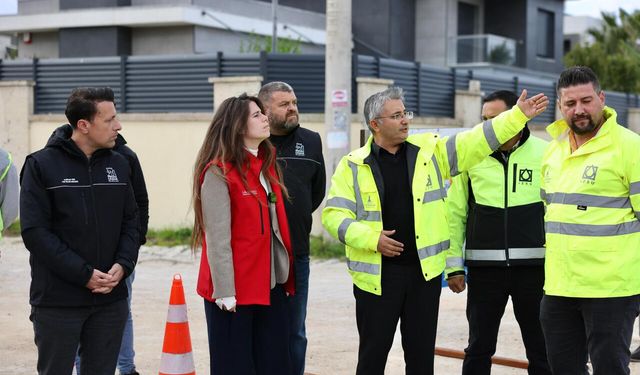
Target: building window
x=546 y=26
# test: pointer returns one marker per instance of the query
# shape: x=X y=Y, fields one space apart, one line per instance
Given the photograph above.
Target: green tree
x=257 y=43
x=615 y=53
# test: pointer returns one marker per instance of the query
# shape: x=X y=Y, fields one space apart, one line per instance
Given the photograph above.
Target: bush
x=319 y=248
x=169 y=237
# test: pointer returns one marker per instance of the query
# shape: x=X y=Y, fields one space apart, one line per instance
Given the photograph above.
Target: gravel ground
x=331 y=328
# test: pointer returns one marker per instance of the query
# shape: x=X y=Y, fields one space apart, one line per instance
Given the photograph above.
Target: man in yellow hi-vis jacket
x=386 y=204
x=591 y=185
x=495 y=211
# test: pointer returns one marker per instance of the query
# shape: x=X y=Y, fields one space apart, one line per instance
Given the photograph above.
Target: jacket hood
x=61 y=137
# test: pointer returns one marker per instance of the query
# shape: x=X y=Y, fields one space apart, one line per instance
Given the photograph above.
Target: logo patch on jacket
x=69 y=180
x=589 y=174
x=525 y=175
x=111 y=175
x=299 y=149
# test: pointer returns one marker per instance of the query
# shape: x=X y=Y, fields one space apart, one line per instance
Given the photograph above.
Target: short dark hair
x=508 y=97
x=82 y=103
x=577 y=75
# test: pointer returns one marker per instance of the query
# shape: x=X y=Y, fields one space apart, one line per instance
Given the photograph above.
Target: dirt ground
x=331 y=328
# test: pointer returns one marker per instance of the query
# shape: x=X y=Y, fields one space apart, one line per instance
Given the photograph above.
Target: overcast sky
x=572 y=7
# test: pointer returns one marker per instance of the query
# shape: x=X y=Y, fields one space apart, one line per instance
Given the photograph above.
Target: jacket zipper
x=506 y=205
x=86 y=211
x=515 y=172
x=97 y=225
x=261 y=218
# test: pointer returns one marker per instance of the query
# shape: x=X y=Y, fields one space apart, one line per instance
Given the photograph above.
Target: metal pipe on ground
x=496 y=360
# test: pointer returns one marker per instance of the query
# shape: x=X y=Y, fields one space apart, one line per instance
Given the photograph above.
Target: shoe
x=635 y=355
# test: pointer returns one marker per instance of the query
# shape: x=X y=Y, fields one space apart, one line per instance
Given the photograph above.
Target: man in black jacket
x=299 y=152
x=126 y=357
x=80 y=223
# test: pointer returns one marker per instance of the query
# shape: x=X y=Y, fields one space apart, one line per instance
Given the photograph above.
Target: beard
x=286 y=123
x=585 y=129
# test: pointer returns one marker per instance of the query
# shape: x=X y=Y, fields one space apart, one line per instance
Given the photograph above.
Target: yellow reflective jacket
x=593 y=210
x=496 y=207
x=353 y=210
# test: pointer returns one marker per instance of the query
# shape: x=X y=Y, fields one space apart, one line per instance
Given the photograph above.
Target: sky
x=572 y=7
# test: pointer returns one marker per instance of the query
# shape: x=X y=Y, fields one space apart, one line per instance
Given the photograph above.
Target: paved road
x=333 y=338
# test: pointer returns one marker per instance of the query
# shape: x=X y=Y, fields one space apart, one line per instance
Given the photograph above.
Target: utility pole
x=274 y=34
x=337 y=103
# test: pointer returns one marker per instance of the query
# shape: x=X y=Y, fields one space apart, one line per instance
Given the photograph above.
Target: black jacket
x=76 y=215
x=302 y=163
x=137 y=177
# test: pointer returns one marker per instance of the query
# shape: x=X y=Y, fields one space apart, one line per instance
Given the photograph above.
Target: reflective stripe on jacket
x=593 y=210
x=496 y=208
x=353 y=209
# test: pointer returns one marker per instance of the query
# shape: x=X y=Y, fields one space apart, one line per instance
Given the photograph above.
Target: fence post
x=264 y=61
x=219 y=63
x=35 y=62
x=123 y=83
x=419 y=86
x=516 y=85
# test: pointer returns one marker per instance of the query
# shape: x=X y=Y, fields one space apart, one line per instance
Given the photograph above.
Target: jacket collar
x=560 y=128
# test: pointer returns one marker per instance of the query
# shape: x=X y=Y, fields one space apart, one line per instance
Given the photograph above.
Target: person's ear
x=373 y=124
x=83 y=126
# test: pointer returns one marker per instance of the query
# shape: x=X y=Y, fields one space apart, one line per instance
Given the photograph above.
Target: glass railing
x=481 y=49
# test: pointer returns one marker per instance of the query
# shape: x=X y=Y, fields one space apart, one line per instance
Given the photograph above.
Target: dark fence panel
x=437 y=92
x=405 y=75
x=305 y=73
x=240 y=65
x=16 y=70
x=175 y=84
x=621 y=103
x=180 y=83
x=55 y=78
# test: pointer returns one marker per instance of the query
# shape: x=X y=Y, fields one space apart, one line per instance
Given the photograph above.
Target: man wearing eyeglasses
x=386 y=204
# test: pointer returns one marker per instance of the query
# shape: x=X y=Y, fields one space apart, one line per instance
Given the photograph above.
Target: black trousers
x=489 y=291
x=407 y=297
x=600 y=328
x=254 y=340
x=95 y=332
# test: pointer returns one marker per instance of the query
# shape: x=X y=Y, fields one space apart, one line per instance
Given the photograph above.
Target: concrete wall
x=94 y=41
x=387 y=25
x=435 y=23
x=37 y=6
x=43 y=45
x=552 y=65
x=176 y=40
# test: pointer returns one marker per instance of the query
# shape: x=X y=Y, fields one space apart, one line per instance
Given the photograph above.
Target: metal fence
x=180 y=83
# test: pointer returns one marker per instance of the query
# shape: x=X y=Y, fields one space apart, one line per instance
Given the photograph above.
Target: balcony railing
x=481 y=49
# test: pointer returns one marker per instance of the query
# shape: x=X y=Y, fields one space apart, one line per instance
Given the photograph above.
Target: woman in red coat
x=246 y=266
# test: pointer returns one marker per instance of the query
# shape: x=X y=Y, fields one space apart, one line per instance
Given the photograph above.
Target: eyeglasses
x=406 y=114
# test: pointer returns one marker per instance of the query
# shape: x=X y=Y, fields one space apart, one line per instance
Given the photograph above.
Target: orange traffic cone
x=177 y=357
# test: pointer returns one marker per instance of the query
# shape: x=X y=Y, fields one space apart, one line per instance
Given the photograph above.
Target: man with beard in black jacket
x=80 y=223
x=299 y=153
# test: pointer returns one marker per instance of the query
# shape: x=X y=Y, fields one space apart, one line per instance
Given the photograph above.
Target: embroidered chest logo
x=429 y=183
x=369 y=202
x=299 y=149
x=589 y=174
x=69 y=180
x=111 y=175
x=525 y=175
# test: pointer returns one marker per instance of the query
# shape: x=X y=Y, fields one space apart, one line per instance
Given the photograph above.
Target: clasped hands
x=103 y=283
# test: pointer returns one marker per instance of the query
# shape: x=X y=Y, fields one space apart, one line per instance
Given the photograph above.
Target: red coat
x=250 y=237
